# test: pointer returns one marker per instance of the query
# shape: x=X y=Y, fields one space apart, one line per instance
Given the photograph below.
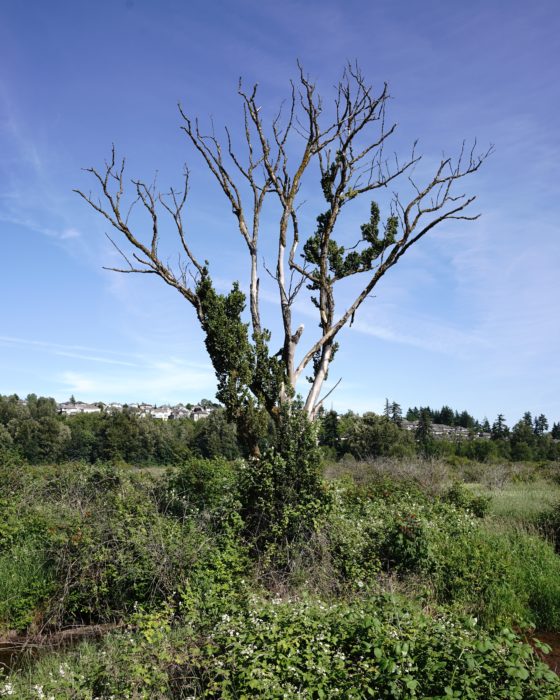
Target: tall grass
x=25 y=585
x=521 y=502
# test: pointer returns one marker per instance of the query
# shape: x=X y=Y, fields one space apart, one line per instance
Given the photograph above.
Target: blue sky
x=470 y=316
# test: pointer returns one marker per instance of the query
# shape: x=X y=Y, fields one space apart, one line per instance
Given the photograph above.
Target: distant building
x=199 y=412
x=162 y=413
x=179 y=412
x=72 y=408
x=443 y=432
x=166 y=412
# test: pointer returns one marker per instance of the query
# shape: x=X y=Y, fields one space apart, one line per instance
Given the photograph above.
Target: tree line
x=33 y=431
x=372 y=435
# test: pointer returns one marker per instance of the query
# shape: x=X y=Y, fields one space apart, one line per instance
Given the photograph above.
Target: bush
x=537 y=577
x=121 y=551
x=500 y=578
x=200 y=486
x=473 y=570
x=380 y=648
x=282 y=493
x=461 y=497
x=87 y=543
x=172 y=558
x=549 y=524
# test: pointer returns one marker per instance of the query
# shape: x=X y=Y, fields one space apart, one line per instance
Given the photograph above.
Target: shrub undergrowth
x=232 y=585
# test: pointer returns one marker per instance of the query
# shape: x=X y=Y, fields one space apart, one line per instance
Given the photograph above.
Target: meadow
x=419 y=579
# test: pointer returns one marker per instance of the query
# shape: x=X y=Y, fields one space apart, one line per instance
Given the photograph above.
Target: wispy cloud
x=95 y=355
x=163 y=382
x=94 y=358
x=28 y=199
x=106 y=356
x=140 y=376
x=390 y=321
x=62 y=234
x=426 y=333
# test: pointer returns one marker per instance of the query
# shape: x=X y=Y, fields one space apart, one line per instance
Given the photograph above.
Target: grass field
x=520 y=502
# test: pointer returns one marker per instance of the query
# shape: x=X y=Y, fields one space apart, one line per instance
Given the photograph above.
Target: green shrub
x=549 y=524
x=352 y=549
x=474 y=571
x=199 y=486
x=376 y=648
x=122 y=552
x=82 y=543
x=172 y=557
x=536 y=570
x=501 y=578
x=26 y=582
x=461 y=497
x=397 y=523
x=282 y=493
x=381 y=648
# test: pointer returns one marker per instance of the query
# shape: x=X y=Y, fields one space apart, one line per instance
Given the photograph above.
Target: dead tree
x=347 y=151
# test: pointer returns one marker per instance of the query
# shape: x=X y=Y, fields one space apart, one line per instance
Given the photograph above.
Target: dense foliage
x=34 y=432
x=387 y=587
x=372 y=435
x=379 y=648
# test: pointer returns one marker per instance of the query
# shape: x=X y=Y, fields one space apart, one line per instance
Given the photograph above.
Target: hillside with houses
x=164 y=412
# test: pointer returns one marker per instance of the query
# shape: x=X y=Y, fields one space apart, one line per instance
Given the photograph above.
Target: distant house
x=166 y=412
x=72 y=408
x=179 y=412
x=162 y=413
x=457 y=432
x=199 y=412
x=442 y=431
x=409 y=424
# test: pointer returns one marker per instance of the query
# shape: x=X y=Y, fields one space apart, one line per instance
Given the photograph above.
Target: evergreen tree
x=446 y=416
x=428 y=410
x=396 y=413
x=540 y=425
x=412 y=414
x=499 y=430
x=436 y=416
x=522 y=440
x=466 y=420
x=387 y=409
x=424 y=436
x=329 y=434
x=215 y=436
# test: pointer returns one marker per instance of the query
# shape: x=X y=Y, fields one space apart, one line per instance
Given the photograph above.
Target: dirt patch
x=553 y=641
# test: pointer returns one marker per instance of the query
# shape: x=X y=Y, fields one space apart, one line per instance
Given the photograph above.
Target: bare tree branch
x=277 y=158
